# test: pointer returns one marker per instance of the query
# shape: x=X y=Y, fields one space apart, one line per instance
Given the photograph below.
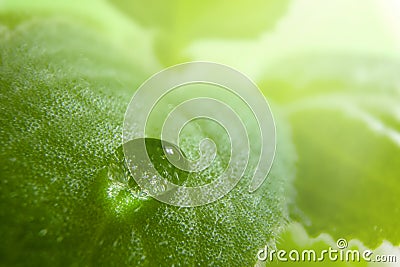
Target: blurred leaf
x=309 y=30
x=178 y=23
x=346 y=127
x=355 y=178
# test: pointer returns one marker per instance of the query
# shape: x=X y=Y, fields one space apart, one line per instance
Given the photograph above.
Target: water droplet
x=157 y=151
x=43 y=232
x=143 y=194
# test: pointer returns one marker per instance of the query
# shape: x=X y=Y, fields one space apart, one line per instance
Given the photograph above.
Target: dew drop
x=157 y=151
x=43 y=232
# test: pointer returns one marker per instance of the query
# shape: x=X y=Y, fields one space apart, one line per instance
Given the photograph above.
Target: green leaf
x=66 y=197
x=346 y=130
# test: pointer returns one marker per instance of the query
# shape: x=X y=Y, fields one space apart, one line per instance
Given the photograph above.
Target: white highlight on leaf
x=350 y=107
x=375 y=124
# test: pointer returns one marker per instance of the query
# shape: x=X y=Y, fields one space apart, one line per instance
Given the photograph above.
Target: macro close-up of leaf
x=68 y=72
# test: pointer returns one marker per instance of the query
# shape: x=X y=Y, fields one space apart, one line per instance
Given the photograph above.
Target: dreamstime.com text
x=342 y=253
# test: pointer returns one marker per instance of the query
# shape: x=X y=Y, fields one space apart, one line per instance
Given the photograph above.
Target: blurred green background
x=330 y=70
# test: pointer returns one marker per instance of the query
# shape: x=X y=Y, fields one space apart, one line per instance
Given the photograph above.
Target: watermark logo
x=147 y=118
x=340 y=253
